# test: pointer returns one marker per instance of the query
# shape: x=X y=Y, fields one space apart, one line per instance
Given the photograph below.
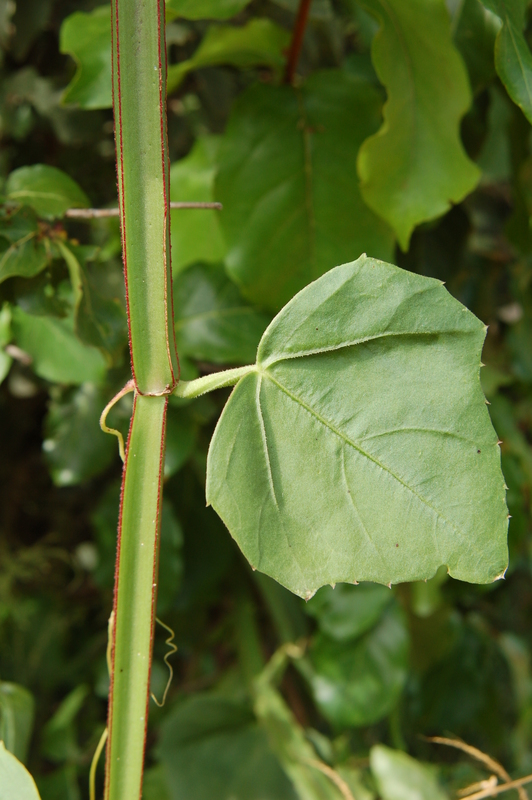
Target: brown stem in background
x=297 y=40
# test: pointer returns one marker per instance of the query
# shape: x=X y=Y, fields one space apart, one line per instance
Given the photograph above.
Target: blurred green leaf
x=196 y=234
x=170 y=559
x=495 y=159
x=30 y=18
x=401 y=777
x=99 y=321
x=154 y=785
x=7 y=9
x=57 y=353
x=211 y=747
x=474 y=30
x=415 y=166
x=181 y=432
x=513 y=59
x=258 y=43
x=288 y=183
x=377 y=454
x=23 y=250
x=288 y=739
x=87 y=38
x=59 y=738
x=346 y=611
x=358 y=682
x=46 y=189
x=213 y=322
x=16 y=783
x=61 y=784
x=75 y=447
x=426 y=596
x=319 y=9
x=205 y=9
x=17 y=708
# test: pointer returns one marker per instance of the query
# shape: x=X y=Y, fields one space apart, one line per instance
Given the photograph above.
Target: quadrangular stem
x=139 y=102
x=135 y=598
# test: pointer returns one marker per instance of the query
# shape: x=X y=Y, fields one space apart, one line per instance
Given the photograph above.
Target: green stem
x=135 y=597
x=216 y=380
x=139 y=98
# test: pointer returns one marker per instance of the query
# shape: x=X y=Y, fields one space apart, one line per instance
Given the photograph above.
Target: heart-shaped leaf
x=360 y=446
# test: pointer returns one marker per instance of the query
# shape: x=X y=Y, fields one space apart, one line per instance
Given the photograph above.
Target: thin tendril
x=171 y=651
x=105 y=734
x=129 y=387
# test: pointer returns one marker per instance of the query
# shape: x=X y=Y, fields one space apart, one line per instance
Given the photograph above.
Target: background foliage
x=309 y=178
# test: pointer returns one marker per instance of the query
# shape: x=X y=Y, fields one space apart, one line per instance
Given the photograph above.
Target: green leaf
x=170 y=559
x=46 y=189
x=16 y=783
x=59 y=739
x=401 y=777
x=346 y=612
x=154 y=785
x=474 y=30
x=360 y=449
x=196 y=235
x=57 y=353
x=75 y=447
x=61 y=784
x=17 y=708
x=180 y=440
x=288 y=183
x=513 y=59
x=213 y=322
x=258 y=43
x=358 y=683
x=289 y=742
x=415 y=167
x=211 y=747
x=22 y=249
x=30 y=19
x=99 y=321
x=319 y=9
x=87 y=38
x=205 y=9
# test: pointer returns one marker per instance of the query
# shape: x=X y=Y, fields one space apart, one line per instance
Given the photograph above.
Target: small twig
x=496 y=790
x=484 y=758
x=297 y=41
x=332 y=775
x=98 y=213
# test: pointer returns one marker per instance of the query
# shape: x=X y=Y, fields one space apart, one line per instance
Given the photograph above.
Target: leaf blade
x=392 y=425
x=415 y=166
